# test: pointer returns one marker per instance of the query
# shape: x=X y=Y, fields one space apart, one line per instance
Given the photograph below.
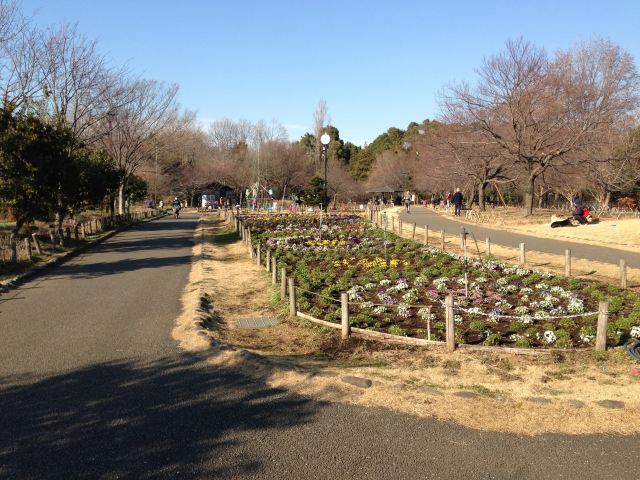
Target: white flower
x=423 y=313
x=502 y=281
x=526 y=290
x=404 y=310
x=370 y=286
x=540 y=315
x=385 y=282
x=521 y=310
x=541 y=286
x=380 y=309
x=514 y=337
x=481 y=280
x=576 y=305
x=527 y=319
x=475 y=311
x=366 y=305
x=635 y=331
x=457 y=318
x=587 y=338
x=549 y=337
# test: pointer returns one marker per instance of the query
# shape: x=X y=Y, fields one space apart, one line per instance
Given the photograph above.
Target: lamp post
x=325 y=139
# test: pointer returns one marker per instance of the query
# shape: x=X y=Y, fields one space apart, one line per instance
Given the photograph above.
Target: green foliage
x=563 y=339
x=313 y=195
x=567 y=323
x=397 y=330
x=523 y=342
x=476 y=326
x=492 y=339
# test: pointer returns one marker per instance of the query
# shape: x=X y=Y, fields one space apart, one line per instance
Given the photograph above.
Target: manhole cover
x=259 y=322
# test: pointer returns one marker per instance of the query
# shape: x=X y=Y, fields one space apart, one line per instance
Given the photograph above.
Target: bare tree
x=320 y=121
x=80 y=89
x=285 y=166
x=539 y=111
x=131 y=128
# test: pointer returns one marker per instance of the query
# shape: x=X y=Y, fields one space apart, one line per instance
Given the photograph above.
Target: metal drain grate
x=259 y=322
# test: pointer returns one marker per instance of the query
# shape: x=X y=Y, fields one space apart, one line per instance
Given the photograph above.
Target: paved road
x=92 y=386
x=426 y=216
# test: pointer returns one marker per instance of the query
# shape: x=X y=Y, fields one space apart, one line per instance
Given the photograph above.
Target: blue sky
x=377 y=64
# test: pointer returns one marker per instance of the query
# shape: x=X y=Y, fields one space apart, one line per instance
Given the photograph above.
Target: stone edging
x=32 y=272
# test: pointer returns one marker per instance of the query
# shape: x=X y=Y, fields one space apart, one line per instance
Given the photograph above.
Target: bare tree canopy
x=541 y=111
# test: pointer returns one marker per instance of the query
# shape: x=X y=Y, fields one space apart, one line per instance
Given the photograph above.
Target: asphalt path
x=427 y=216
x=93 y=386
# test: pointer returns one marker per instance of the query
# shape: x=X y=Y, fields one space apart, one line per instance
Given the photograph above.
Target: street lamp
x=325 y=139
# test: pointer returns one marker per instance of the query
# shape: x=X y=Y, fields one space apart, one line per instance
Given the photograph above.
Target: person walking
x=407 y=201
x=457 y=202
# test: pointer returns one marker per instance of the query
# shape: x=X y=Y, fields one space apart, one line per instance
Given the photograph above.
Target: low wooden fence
x=22 y=248
x=288 y=291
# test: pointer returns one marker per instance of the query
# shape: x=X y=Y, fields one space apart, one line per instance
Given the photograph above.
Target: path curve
x=426 y=216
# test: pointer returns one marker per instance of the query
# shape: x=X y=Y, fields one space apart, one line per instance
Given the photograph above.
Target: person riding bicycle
x=176 y=206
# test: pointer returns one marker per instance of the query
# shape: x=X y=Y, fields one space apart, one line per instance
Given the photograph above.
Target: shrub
x=523 y=342
x=476 y=326
x=440 y=325
x=567 y=323
x=563 y=339
x=397 y=330
x=492 y=339
x=517 y=325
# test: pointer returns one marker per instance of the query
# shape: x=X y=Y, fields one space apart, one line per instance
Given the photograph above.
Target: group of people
x=456 y=199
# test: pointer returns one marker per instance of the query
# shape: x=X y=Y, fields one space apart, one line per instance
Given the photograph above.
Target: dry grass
x=310 y=360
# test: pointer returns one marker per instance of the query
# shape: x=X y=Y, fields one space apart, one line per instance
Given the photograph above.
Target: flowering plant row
x=398 y=286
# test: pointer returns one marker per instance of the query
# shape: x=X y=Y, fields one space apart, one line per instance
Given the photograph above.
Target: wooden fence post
x=52 y=237
x=393 y=224
x=292 y=299
x=426 y=234
x=399 y=226
x=27 y=247
x=344 y=303
x=76 y=233
x=13 y=249
x=283 y=283
x=567 y=262
x=36 y=242
x=274 y=271
x=603 y=320
x=450 y=325
x=523 y=258
x=488 y=246
x=83 y=231
x=442 y=241
x=258 y=252
x=413 y=234
x=268 y=260
x=623 y=274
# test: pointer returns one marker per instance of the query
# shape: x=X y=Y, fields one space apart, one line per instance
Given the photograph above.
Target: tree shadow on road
x=125 y=419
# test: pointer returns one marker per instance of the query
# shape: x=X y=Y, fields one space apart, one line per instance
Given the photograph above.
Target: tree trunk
x=529 y=194
x=481 y=188
x=121 y=198
x=607 y=200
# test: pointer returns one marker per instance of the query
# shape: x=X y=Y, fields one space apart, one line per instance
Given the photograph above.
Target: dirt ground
x=484 y=391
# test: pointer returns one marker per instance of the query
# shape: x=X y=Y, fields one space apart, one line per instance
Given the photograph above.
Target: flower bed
x=403 y=293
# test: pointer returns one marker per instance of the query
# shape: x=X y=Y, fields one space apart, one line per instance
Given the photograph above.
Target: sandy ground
x=515 y=394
